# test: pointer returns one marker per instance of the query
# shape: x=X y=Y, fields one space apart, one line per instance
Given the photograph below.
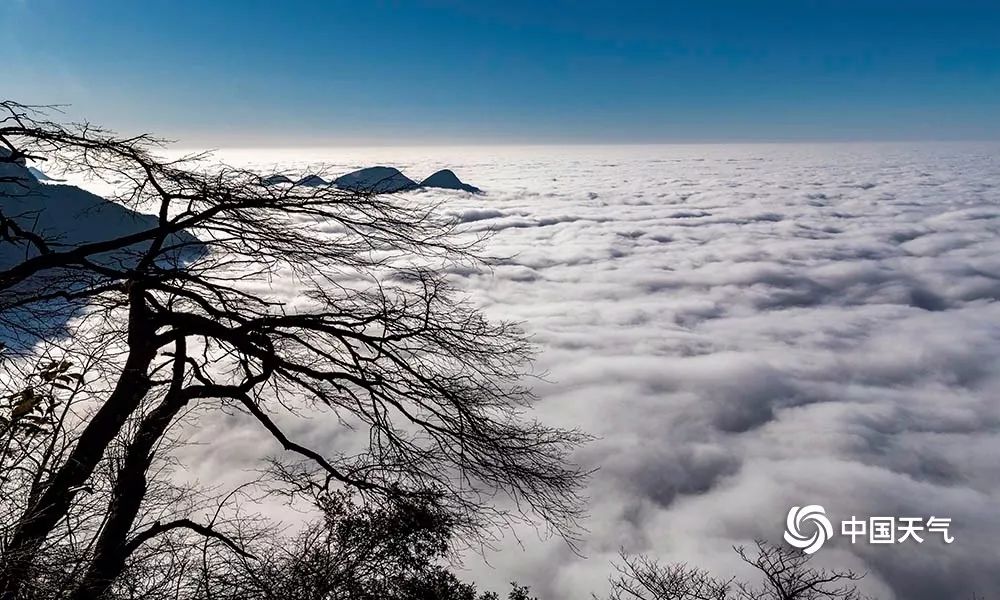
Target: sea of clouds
x=745 y=328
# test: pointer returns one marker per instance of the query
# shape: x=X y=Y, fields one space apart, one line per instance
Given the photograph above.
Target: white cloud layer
x=746 y=328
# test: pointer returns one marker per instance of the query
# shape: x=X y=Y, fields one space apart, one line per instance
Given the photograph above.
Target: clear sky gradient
x=518 y=71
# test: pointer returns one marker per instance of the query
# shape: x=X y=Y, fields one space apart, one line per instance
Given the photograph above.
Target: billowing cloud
x=747 y=328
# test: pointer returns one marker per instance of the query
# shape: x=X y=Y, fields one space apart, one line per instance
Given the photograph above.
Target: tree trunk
x=110 y=551
x=40 y=519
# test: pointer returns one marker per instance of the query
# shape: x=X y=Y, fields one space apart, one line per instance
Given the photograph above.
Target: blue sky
x=314 y=73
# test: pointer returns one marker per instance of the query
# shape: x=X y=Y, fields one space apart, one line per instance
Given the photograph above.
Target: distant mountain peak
x=378 y=180
x=446 y=179
x=312 y=181
x=276 y=179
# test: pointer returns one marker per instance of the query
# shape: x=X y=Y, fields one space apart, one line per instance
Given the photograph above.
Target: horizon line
x=178 y=145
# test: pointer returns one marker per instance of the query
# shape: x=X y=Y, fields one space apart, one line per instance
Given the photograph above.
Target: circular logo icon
x=800 y=520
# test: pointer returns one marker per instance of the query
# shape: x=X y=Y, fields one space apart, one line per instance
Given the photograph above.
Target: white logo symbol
x=794 y=535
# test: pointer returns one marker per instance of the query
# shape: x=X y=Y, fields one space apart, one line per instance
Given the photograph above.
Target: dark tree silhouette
x=398 y=553
x=787 y=574
x=150 y=329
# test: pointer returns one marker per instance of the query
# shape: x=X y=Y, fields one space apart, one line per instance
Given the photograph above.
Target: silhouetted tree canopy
x=785 y=574
x=118 y=343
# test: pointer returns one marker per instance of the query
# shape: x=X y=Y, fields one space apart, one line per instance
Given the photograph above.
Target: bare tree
x=643 y=578
x=787 y=575
x=175 y=317
x=790 y=575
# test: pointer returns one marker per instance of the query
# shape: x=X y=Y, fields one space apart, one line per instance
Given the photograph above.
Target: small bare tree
x=787 y=575
x=152 y=328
